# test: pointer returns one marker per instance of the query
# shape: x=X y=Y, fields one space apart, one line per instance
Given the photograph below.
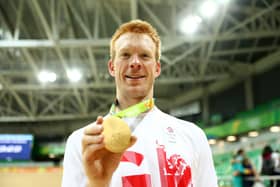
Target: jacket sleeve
x=206 y=174
x=73 y=174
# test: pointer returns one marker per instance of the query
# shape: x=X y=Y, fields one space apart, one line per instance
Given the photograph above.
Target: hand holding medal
x=117 y=134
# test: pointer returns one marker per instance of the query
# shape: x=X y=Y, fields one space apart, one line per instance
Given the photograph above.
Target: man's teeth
x=134 y=77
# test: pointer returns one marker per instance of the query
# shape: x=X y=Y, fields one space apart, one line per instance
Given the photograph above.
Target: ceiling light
x=253 y=134
x=52 y=77
x=190 y=24
x=208 y=9
x=46 y=76
x=231 y=138
x=224 y=1
x=51 y=155
x=274 y=129
x=212 y=141
x=74 y=75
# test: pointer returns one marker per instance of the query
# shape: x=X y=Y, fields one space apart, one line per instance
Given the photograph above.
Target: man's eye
x=145 y=55
x=125 y=55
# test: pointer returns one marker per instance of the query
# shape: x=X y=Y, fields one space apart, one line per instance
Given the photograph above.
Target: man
x=168 y=152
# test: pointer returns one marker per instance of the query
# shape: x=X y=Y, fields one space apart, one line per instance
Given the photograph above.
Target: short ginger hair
x=139 y=27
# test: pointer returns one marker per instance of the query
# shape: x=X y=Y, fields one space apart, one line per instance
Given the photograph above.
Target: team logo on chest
x=174 y=171
x=170 y=135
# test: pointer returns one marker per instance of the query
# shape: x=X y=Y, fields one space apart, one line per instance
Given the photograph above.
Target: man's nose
x=135 y=62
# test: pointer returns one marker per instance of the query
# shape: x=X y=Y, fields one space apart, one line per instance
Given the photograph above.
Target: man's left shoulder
x=179 y=123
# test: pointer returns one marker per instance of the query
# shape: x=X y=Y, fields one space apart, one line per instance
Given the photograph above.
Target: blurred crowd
x=245 y=173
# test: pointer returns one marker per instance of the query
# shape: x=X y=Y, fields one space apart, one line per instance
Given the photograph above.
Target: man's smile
x=135 y=77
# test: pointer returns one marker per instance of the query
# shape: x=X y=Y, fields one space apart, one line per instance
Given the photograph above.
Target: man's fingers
x=92 y=139
x=93 y=129
x=92 y=151
x=89 y=139
x=99 y=120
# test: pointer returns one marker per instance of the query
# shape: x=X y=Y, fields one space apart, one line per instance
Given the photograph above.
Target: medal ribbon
x=133 y=110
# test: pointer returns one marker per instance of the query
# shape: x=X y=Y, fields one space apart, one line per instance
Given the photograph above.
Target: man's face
x=134 y=66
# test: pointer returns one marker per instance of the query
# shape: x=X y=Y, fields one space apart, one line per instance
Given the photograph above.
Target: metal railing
x=225 y=181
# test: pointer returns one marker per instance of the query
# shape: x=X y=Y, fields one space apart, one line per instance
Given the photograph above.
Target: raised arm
x=99 y=164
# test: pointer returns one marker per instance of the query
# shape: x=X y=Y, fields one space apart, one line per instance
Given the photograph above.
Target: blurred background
x=220 y=69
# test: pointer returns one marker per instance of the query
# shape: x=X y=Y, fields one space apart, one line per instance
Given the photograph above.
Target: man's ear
x=111 y=68
x=158 y=69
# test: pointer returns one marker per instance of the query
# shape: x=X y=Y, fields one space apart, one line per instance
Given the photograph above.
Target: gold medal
x=116 y=134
